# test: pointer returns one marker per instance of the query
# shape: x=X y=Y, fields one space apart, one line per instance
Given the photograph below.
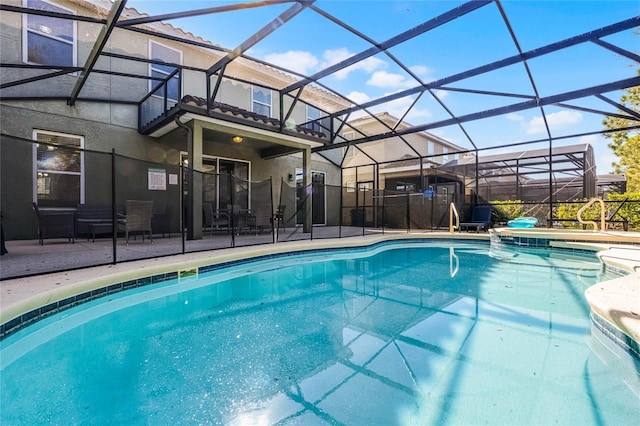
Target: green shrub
x=630 y=210
x=505 y=211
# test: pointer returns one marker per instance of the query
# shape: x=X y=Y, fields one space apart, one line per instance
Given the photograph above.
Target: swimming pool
x=430 y=333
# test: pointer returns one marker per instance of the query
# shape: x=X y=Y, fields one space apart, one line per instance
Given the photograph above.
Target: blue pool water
x=425 y=333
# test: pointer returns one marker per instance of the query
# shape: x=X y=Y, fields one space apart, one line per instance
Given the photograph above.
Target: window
x=261 y=100
x=160 y=52
x=59 y=169
x=46 y=40
x=216 y=180
x=430 y=148
x=445 y=154
x=313 y=114
x=405 y=187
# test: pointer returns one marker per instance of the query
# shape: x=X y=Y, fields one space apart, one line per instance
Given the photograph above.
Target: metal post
x=232 y=213
x=273 y=231
x=114 y=219
x=181 y=213
x=550 y=223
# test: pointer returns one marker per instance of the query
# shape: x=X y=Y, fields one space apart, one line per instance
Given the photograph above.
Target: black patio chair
x=480 y=219
x=55 y=224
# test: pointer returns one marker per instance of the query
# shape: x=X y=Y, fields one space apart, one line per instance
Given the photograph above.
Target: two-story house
x=88 y=79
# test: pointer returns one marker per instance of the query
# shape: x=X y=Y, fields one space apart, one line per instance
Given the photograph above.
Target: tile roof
x=249 y=115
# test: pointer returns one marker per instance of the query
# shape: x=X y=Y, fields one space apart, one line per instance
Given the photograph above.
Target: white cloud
x=514 y=117
x=441 y=94
x=604 y=162
x=421 y=70
x=398 y=107
x=388 y=80
x=590 y=139
x=294 y=60
x=556 y=120
x=334 y=56
x=358 y=97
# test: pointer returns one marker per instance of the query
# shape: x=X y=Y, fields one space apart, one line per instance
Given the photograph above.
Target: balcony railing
x=157 y=103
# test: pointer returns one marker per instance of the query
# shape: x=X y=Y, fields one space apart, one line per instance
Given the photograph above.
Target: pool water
x=425 y=333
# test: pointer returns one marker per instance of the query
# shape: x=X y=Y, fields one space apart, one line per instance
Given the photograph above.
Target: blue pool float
x=523 y=222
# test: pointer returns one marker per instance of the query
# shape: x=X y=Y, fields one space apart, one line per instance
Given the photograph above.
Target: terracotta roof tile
x=249 y=115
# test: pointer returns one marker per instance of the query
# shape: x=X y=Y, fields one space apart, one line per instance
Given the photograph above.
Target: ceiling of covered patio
x=480 y=74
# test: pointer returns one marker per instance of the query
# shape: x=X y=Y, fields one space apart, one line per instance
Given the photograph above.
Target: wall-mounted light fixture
x=290 y=177
x=237 y=139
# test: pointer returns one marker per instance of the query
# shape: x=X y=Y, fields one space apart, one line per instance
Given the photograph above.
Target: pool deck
x=616 y=301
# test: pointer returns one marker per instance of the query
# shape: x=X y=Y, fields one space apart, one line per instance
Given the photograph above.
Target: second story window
x=46 y=40
x=160 y=52
x=261 y=100
x=445 y=155
x=313 y=114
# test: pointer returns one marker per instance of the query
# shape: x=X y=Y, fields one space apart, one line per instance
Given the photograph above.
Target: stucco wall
x=106 y=126
x=17 y=181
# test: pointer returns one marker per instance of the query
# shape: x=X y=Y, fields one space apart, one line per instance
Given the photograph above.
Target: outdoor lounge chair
x=480 y=219
x=137 y=219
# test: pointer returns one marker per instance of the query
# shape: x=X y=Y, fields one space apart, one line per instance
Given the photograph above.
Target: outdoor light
x=237 y=139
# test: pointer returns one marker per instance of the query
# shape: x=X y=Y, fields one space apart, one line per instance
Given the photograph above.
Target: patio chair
x=215 y=220
x=161 y=222
x=278 y=218
x=137 y=219
x=480 y=219
x=55 y=224
x=262 y=218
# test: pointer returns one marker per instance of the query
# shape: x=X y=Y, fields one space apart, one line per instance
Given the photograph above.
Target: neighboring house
x=403 y=164
x=406 y=164
x=524 y=175
x=145 y=98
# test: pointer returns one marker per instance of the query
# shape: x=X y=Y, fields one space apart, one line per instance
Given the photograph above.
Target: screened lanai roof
x=567 y=160
x=477 y=74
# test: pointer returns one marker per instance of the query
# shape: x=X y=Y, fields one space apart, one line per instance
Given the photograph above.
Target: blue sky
x=310 y=42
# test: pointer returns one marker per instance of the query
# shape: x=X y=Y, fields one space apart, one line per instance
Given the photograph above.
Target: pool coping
x=25 y=300
x=20 y=296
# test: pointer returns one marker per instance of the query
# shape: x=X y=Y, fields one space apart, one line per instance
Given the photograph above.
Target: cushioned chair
x=137 y=219
x=480 y=219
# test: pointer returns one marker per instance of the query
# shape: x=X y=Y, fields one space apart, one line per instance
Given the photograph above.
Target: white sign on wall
x=157 y=179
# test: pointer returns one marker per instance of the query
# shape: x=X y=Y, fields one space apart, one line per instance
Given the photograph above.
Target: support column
x=306 y=180
x=194 y=199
